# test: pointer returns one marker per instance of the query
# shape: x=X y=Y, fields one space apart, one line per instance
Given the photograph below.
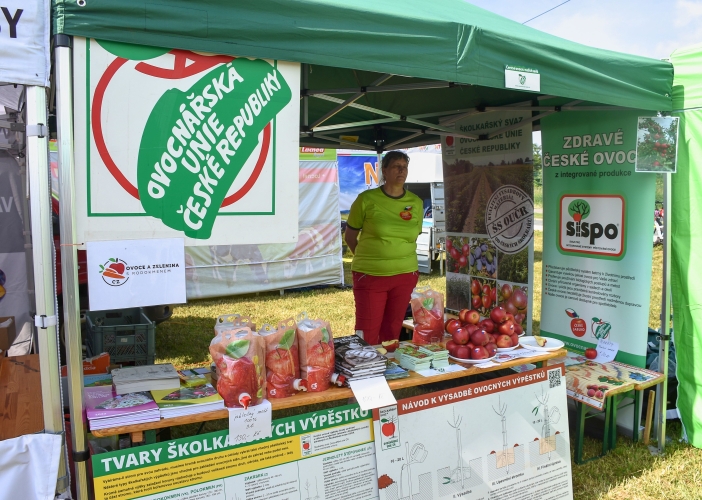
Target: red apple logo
x=306 y=446
x=118 y=267
x=387 y=427
x=577 y=324
x=112 y=271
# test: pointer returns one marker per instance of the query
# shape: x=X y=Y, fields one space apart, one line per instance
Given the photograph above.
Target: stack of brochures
x=440 y=356
x=188 y=400
x=411 y=358
x=104 y=408
x=356 y=359
x=394 y=371
x=145 y=378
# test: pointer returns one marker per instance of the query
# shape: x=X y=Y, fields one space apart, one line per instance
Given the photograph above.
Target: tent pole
x=305 y=97
x=43 y=258
x=69 y=258
x=662 y=389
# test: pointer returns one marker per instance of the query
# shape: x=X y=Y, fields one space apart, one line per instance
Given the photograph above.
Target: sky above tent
x=649 y=28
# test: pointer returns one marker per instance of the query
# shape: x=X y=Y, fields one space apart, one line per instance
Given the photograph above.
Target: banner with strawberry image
x=174 y=143
x=597 y=251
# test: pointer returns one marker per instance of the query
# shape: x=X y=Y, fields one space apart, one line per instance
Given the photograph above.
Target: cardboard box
x=7 y=332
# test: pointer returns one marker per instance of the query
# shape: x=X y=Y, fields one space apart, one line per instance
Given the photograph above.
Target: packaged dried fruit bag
x=282 y=360
x=239 y=355
x=316 y=353
x=428 y=314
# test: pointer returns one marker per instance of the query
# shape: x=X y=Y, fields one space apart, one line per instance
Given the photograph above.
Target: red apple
x=475 y=287
x=388 y=429
x=515 y=339
x=390 y=345
x=450 y=344
x=473 y=317
x=470 y=328
x=498 y=315
x=462 y=352
x=470 y=346
x=476 y=302
x=479 y=337
x=452 y=325
x=506 y=291
x=510 y=317
x=518 y=329
x=519 y=299
x=491 y=349
x=488 y=325
x=491 y=338
x=504 y=341
x=506 y=328
x=486 y=290
x=453 y=348
x=519 y=318
x=463 y=314
x=479 y=353
x=590 y=353
x=460 y=336
x=486 y=301
x=510 y=308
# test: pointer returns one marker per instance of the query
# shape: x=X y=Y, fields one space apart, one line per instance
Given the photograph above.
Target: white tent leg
x=69 y=258
x=662 y=389
x=43 y=257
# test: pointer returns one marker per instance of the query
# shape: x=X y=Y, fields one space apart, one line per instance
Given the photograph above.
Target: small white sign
x=250 y=424
x=517 y=77
x=372 y=393
x=606 y=351
x=136 y=273
x=431 y=372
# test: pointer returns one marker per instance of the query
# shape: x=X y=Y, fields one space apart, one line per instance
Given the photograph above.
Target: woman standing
x=389 y=220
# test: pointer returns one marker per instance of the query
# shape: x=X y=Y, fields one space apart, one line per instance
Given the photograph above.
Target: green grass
x=538 y=196
x=628 y=473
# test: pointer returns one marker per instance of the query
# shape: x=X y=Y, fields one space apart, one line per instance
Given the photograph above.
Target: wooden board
x=332 y=394
x=20 y=396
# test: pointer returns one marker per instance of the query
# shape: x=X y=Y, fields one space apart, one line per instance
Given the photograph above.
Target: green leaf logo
x=325 y=335
x=287 y=340
x=579 y=209
x=196 y=142
x=238 y=348
x=428 y=303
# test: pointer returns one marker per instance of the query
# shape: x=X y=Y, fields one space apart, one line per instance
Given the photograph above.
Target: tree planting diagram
x=550 y=444
x=474 y=442
x=459 y=478
x=508 y=459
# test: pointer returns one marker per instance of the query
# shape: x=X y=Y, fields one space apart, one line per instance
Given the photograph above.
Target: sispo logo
x=592 y=224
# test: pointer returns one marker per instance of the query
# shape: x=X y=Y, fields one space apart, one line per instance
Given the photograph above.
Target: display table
x=615 y=381
x=332 y=394
x=20 y=393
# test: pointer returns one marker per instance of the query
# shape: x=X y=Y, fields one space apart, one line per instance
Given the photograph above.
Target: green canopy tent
x=686 y=238
x=392 y=74
x=382 y=71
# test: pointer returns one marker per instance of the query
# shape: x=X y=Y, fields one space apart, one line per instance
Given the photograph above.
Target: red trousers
x=381 y=304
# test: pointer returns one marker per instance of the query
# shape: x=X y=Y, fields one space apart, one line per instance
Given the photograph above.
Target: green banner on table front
x=597 y=232
x=686 y=257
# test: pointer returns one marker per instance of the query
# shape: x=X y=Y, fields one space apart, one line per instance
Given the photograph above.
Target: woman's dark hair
x=394 y=155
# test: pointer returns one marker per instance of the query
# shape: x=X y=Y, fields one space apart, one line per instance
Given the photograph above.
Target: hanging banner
x=324 y=456
x=173 y=143
x=489 y=199
x=24 y=42
x=315 y=259
x=503 y=438
x=135 y=273
x=597 y=233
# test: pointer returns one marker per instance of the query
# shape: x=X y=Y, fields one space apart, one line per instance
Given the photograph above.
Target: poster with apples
x=489 y=190
x=502 y=438
x=175 y=143
x=135 y=273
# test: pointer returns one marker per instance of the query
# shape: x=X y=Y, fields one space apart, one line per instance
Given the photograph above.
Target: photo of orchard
x=656 y=144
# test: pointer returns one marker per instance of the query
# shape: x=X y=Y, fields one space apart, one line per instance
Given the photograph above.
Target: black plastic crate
x=126 y=334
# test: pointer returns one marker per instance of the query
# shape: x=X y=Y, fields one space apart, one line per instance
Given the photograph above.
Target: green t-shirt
x=389 y=228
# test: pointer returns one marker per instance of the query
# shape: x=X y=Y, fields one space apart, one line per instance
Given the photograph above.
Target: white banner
x=136 y=273
x=173 y=143
x=24 y=42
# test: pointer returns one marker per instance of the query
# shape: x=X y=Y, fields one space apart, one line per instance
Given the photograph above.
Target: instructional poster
x=328 y=455
x=489 y=189
x=503 y=438
x=597 y=233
